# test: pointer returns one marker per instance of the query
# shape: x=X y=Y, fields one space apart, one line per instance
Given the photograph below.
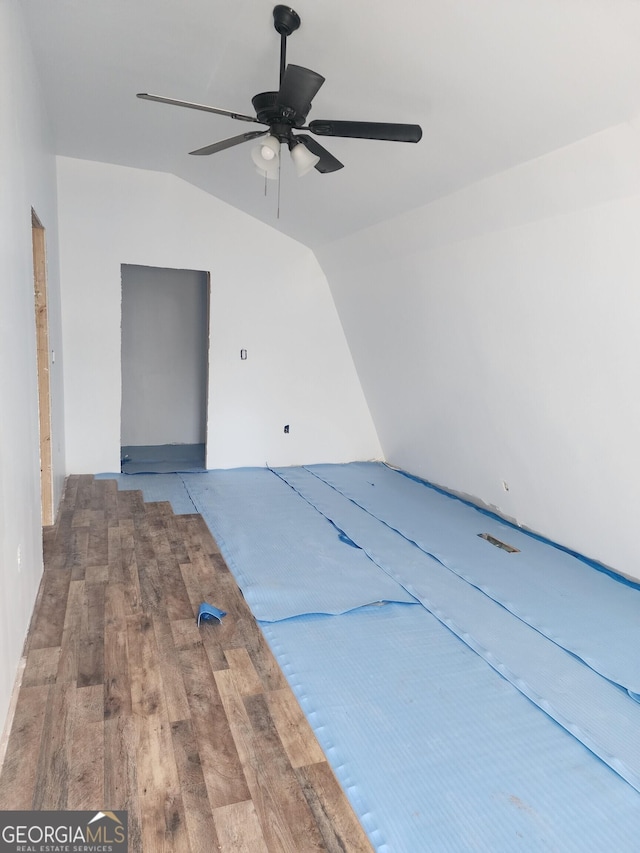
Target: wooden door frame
x=42 y=353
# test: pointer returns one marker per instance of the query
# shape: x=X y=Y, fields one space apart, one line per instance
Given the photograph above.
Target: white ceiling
x=493 y=83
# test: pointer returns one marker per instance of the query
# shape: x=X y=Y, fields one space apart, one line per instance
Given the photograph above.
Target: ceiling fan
x=286 y=110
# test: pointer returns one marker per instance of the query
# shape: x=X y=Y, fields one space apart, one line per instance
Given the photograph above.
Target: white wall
x=268 y=296
x=27 y=179
x=496 y=335
x=165 y=351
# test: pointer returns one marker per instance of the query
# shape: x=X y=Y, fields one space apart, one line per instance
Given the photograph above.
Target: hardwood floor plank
x=221 y=763
x=109 y=500
x=41 y=666
x=75 y=604
x=150 y=585
x=147 y=693
x=120 y=773
x=98 y=545
x=70 y=491
x=175 y=694
x=295 y=733
x=127 y=571
x=117 y=606
x=48 y=622
x=77 y=556
x=114 y=555
x=52 y=774
x=176 y=538
x=197 y=535
x=340 y=829
x=84 y=492
x=18 y=779
x=97 y=574
x=49 y=536
x=200 y=824
x=212 y=640
x=175 y=595
x=239 y=829
x=129 y=504
x=262 y=657
x=247 y=679
x=191 y=580
x=158 y=509
x=143 y=542
x=280 y=775
x=86 y=761
x=73 y=618
x=161 y=808
x=82 y=518
x=284 y=815
x=176 y=598
x=91 y=645
x=185 y=634
x=117 y=685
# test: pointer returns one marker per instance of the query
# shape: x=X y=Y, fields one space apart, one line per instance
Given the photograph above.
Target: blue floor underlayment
x=162 y=458
x=468 y=699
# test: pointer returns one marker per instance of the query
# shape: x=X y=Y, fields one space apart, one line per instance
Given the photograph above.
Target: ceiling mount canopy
x=284 y=113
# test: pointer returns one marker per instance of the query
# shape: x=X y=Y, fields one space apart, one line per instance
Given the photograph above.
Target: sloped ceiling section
x=492 y=83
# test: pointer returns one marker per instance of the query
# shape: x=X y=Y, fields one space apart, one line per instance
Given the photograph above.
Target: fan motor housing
x=268 y=111
x=285 y=20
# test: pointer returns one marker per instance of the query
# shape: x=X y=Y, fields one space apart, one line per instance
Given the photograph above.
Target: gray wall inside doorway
x=164 y=355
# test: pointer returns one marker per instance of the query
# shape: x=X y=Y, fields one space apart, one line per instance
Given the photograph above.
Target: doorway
x=38 y=245
x=165 y=347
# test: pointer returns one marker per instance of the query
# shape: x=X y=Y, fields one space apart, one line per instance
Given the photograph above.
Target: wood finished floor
x=126 y=704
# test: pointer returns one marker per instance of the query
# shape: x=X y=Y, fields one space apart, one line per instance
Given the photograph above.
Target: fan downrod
x=285 y=20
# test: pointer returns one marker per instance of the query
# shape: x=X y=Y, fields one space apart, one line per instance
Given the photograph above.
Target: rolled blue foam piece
x=208 y=612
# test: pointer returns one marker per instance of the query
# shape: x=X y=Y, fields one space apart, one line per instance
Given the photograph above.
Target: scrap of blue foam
x=286 y=557
x=156 y=487
x=436 y=751
x=208 y=612
x=585 y=611
x=593 y=709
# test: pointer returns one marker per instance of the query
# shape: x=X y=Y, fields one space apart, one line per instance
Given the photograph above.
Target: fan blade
x=229 y=143
x=191 y=106
x=327 y=162
x=298 y=88
x=367 y=130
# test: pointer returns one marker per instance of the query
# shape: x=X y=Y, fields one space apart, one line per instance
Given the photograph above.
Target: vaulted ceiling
x=493 y=83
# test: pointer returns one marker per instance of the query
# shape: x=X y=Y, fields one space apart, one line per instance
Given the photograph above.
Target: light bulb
x=266 y=155
x=303 y=159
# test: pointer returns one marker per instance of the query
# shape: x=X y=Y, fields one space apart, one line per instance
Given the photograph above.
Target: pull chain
x=279 y=168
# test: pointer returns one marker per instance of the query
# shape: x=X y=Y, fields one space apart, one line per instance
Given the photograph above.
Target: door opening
x=165 y=352
x=43 y=367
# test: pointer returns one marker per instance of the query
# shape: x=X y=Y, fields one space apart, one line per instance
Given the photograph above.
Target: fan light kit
x=286 y=110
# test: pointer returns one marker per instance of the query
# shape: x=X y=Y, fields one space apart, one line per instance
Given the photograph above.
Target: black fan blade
x=367 y=130
x=191 y=106
x=327 y=162
x=229 y=143
x=298 y=88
